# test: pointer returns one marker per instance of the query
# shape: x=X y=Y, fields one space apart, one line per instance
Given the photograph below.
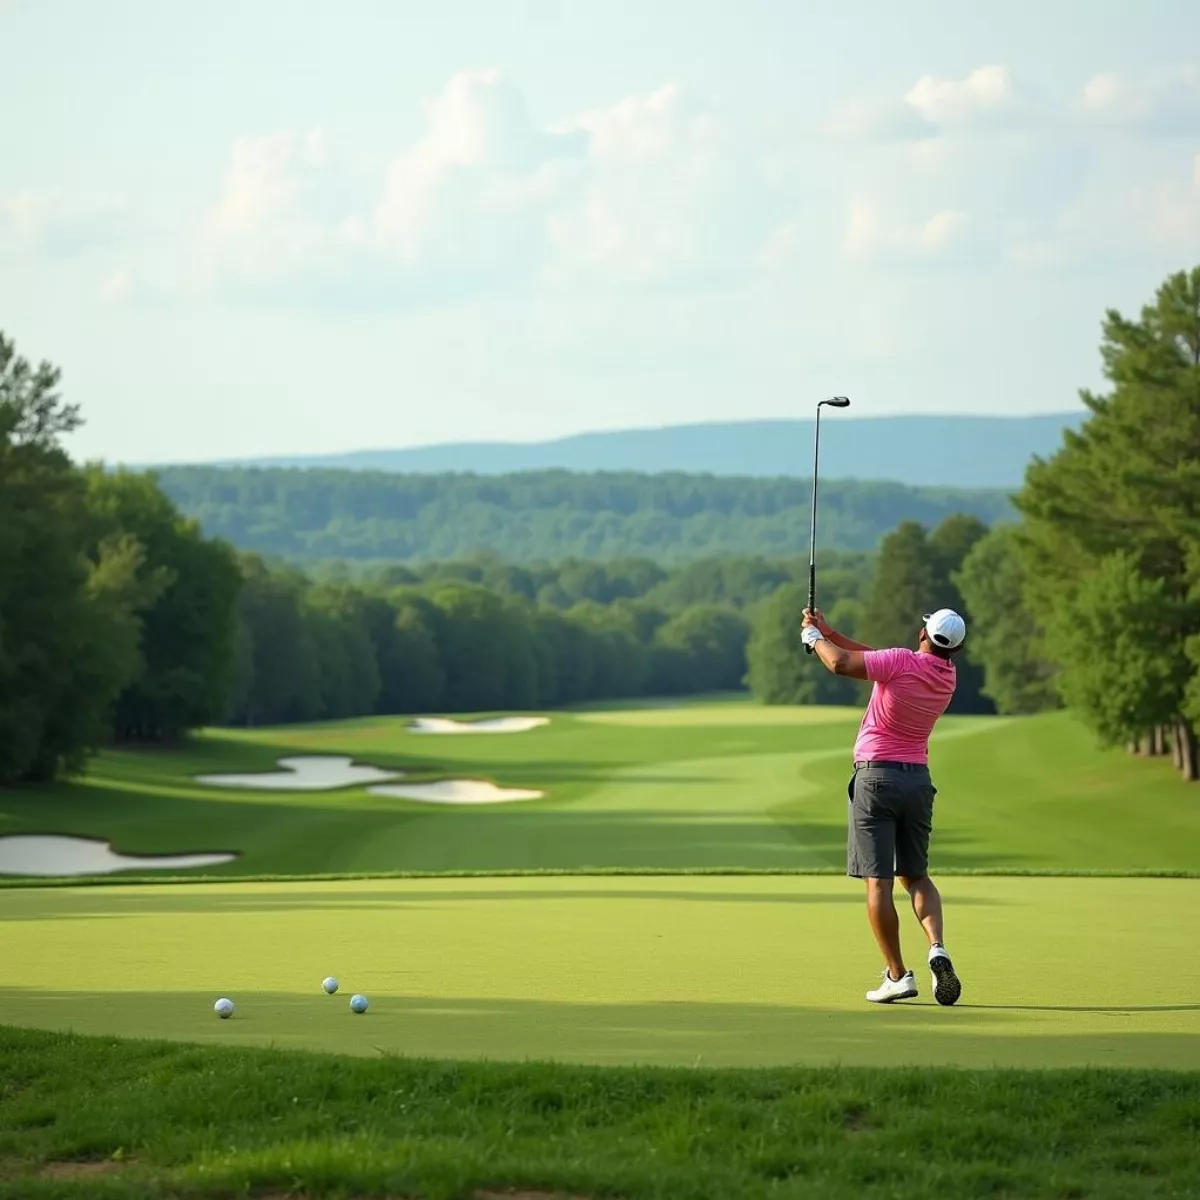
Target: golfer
x=891 y=793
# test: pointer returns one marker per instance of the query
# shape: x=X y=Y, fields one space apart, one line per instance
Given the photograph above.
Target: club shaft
x=812 y=537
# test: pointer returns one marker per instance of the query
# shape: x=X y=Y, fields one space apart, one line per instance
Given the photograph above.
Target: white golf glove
x=811 y=635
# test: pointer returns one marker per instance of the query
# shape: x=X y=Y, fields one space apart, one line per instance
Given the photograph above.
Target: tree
x=190 y=626
x=1006 y=639
x=1121 y=498
x=904 y=587
x=780 y=670
x=284 y=672
x=949 y=544
x=347 y=666
x=713 y=639
x=471 y=625
x=1123 y=667
x=68 y=626
x=415 y=680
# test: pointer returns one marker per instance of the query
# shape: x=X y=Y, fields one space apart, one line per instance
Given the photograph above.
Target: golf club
x=833 y=402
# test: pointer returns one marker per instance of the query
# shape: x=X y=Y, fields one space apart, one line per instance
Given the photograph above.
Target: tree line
x=309 y=514
x=1092 y=599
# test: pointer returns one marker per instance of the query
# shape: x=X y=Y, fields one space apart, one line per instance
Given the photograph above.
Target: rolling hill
x=920 y=451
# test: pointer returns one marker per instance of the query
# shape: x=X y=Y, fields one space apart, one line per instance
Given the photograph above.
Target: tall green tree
x=713 y=639
x=1122 y=496
x=415 y=678
x=1007 y=635
x=189 y=630
x=471 y=626
x=347 y=665
x=904 y=586
x=68 y=625
x=282 y=679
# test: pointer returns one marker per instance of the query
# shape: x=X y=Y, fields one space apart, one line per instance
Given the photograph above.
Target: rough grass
x=180 y=1121
x=704 y=787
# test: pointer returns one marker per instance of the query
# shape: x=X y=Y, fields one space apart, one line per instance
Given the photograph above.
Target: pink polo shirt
x=911 y=691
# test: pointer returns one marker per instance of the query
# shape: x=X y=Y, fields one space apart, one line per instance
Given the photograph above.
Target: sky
x=271 y=227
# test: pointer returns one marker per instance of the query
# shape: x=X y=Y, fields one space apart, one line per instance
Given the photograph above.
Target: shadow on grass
x=662 y=1031
x=267 y=898
x=1085 y=1008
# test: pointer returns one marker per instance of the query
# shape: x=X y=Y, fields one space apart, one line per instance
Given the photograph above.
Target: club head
x=837 y=402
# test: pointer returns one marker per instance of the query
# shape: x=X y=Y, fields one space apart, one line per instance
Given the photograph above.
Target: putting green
x=687 y=970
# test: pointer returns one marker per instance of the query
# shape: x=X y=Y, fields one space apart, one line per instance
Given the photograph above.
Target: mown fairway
x=719 y=971
x=726 y=785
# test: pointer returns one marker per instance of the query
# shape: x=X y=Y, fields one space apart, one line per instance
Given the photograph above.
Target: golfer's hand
x=814 y=618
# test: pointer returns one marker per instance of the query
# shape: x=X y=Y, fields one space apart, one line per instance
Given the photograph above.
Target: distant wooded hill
x=322 y=514
x=923 y=451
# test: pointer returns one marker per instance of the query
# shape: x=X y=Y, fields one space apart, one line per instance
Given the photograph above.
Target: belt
x=893 y=766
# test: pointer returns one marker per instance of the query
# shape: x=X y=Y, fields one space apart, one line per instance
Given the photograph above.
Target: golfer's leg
x=912 y=868
x=912 y=856
x=885 y=924
x=927 y=905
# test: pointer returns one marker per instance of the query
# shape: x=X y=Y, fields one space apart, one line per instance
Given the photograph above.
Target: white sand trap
x=455 y=791
x=54 y=854
x=309 y=773
x=497 y=725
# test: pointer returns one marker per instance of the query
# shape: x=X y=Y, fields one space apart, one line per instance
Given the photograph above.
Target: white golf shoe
x=904 y=988
x=947 y=987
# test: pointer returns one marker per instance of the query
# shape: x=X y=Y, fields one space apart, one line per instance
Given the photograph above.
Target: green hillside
x=550 y=514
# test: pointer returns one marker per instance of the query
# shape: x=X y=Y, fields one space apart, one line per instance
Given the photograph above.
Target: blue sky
x=244 y=230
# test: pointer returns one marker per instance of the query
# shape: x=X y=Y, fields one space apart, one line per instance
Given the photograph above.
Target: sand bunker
x=455 y=791
x=54 y=854
x=310 y=773
x=497 y=725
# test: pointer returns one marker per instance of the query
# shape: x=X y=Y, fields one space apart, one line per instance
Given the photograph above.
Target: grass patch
x=189 y=1121
x=695 y=788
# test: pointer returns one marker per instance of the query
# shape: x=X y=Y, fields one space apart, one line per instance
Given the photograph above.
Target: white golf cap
x=945 y=628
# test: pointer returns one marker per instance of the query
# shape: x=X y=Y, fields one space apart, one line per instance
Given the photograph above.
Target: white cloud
x=649 y=190
x=662 y=194
x=480 y=153
x=985 y=92
x=985 y=96
x=1168 y=102
x=871 y=235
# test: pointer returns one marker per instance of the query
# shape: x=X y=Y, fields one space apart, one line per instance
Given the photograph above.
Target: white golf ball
x=330 y=984
x=358 y=1004
x=223 y=1008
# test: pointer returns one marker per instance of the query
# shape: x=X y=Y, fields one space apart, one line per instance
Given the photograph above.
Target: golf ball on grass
x=223 y=1008
x=358 y=1004
x=330 y=984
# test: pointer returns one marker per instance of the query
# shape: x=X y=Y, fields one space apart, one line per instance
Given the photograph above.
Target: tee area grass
x=715 y=786
x=97 y=1117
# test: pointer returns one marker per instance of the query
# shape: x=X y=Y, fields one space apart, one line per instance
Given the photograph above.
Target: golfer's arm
x=841 y=661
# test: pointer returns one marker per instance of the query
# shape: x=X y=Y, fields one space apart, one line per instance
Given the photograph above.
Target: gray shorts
x=891 y=817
